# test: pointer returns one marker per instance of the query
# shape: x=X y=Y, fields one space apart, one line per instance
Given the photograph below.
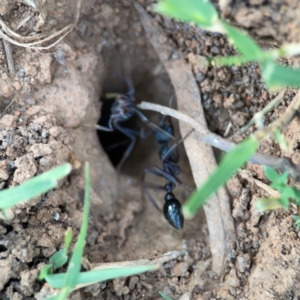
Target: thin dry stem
x=280 y=164
x=261 y=113
x=38 y=39
x=9 y=58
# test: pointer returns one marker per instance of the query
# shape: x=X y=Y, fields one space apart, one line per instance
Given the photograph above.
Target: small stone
x=228 y=102
x=180 y=269
x=4 y=175
x=17 y=86
x=33 y=110
x=239 y=118
x=55 y=131
x=217 y=98
x=185 y=296
x=243 y=262
x=7 y=122
x=6 y=91
x=30 y=101
x=21 y=73
x=26 y=168
x=232 y=278
x=133 y=281
x=119 y=287
x=39 y=150
x=215 y=50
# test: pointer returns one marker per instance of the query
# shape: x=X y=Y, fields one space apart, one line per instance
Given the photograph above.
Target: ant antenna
x=127 y=73
x=171 y=99
x=178 y=143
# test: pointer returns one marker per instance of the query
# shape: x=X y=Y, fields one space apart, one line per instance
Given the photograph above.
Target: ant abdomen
x=173 y=212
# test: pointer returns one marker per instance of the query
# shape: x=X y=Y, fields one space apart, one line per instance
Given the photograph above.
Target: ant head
x=172 y=211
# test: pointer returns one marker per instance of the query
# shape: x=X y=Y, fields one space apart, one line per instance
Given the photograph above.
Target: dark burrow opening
x=151 y=84
x=114 y=143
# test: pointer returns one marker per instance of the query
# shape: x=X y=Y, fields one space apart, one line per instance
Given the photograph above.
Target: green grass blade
x=268 y=204
x=165 y=297
x=231 y=162
x=243 y=43
x=58 y=280
x=271 y=174
x=201 y=12
x=33 y=187
x=46 y=270
x=75 y=261
x=55 y=297
x=277 y=76
x=229 y=60
x=58 y=259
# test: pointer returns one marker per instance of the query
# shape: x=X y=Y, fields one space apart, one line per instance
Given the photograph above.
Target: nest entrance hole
x=151 y=84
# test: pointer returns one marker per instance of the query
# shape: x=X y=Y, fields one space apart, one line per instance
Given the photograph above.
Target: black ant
x=169 y=156
x=123 y=109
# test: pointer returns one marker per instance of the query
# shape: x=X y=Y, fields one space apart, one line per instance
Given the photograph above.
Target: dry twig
x=31 y=41
x=247 y=175
x=9 y=58
x=280 y=164
x=258 y=116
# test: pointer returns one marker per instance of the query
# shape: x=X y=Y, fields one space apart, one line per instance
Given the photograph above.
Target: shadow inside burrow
x=151 y=84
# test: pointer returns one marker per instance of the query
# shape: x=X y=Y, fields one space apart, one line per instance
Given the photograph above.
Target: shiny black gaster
x=172 y=211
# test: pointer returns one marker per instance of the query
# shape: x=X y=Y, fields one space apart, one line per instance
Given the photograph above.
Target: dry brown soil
x=48 y=110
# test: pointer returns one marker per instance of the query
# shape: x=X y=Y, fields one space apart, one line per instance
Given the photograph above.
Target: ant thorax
x=122 y=109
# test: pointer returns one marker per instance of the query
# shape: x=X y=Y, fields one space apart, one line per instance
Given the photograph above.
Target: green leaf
x=243 y=42
x=297 y=198
x=58 y=259
x=272 y=175
x=231 y=162
x=33 y=187
x=57 y=281
x=279 y=137
x=268 y=204
x=277 y=76
x=75 y=261
x=55 y=297
x=297 y=221
x=165 y=297
x=291 y=192
x=229 y=60
x=201 y=12
x=46 y=270
x=285 y=201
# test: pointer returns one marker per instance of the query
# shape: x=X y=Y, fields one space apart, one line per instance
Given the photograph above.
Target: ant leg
x=144 y=190
x=141 y=134
x=103 y=128
x=127 y=71
x=177 y=144
x=116 y=145
x=128 y=151
x=151 y=125
x=168 y=176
